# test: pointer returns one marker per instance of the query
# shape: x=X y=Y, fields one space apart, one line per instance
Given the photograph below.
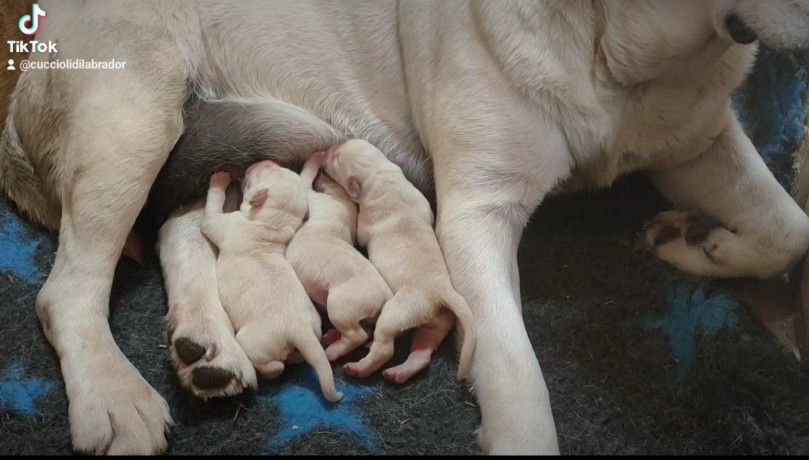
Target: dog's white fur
x=195 y=311
x=266 y=303
x=507 y=101
x=331 y=269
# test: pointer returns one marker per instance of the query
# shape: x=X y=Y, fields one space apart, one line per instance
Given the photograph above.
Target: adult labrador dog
x=494 y=104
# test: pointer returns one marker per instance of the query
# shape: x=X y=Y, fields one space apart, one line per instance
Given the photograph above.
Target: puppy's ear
x=259 y=198
x=354 y=188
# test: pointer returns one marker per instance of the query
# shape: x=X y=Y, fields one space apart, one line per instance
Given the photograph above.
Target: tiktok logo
x=29 y=24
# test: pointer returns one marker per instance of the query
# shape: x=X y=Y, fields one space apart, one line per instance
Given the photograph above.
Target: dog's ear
x=354 y=188
x=259 y=198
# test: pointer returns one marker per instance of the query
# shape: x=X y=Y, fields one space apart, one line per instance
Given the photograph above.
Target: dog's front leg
x=112 y=408
x=483 y=206
x=746 y=224
x=107 y=135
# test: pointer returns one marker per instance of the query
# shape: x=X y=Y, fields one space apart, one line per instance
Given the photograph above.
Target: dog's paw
x=208 y=360
x=517 y=439
x=665 y=227
x=114 y=411
x=669 y=227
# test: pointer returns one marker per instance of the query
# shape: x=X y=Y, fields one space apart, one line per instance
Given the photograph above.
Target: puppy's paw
x=208 y=359
x=331 y=336
x=220 y=180
x=113 y=410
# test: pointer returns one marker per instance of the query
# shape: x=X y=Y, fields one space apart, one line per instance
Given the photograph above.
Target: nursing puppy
x=395 y=223
x=331 y=269
x=269 y=309
x=493 y=105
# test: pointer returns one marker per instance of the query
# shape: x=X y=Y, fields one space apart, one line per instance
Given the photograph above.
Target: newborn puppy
x=331 y=269
x=269 y=308
x=395 y=224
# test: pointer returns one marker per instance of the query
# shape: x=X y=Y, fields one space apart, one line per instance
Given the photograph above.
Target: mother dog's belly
x=339 y=61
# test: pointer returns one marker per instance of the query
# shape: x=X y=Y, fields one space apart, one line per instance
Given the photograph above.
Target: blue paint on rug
x=770 y=106
x=690 y=315
x=20 y=394
x=302 y=408
x=17 y=251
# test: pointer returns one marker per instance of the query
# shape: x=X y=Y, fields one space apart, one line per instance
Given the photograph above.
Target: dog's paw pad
x=188 y=351
x=667 y=234
x=211 y=378
x=698 y=230
x=663 y=229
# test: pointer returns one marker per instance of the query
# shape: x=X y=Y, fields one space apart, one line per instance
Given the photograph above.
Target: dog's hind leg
x=207 y=358
x=746 y=223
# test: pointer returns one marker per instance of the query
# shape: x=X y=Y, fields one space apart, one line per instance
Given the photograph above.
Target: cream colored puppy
x=492 y=105
x=204 y=351
x=395 y=223
x=331 y=269
x=268 y=306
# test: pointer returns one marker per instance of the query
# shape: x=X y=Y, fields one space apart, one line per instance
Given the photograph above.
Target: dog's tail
x=466 y=322
x=314 y=354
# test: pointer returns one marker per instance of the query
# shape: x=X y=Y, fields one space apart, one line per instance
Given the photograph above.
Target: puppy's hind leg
x=405 y=310
x=207 y=358
x=426 y=340
x=347 y=305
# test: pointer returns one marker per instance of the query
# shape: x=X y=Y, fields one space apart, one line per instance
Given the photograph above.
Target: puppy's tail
x=466 y=321
x=314 y=354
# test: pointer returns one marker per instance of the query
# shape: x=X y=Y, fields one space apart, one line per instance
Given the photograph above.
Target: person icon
x=10 y=64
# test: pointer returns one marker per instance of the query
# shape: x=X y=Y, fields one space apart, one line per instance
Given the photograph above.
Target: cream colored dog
x=395 y=223
x=208 y=359
x=493 y=105
x=331 y=269
x=267 y=305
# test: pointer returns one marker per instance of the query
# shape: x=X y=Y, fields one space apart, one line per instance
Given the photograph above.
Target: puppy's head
x=353 y=163
x=780 y=24
x=271 y=191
